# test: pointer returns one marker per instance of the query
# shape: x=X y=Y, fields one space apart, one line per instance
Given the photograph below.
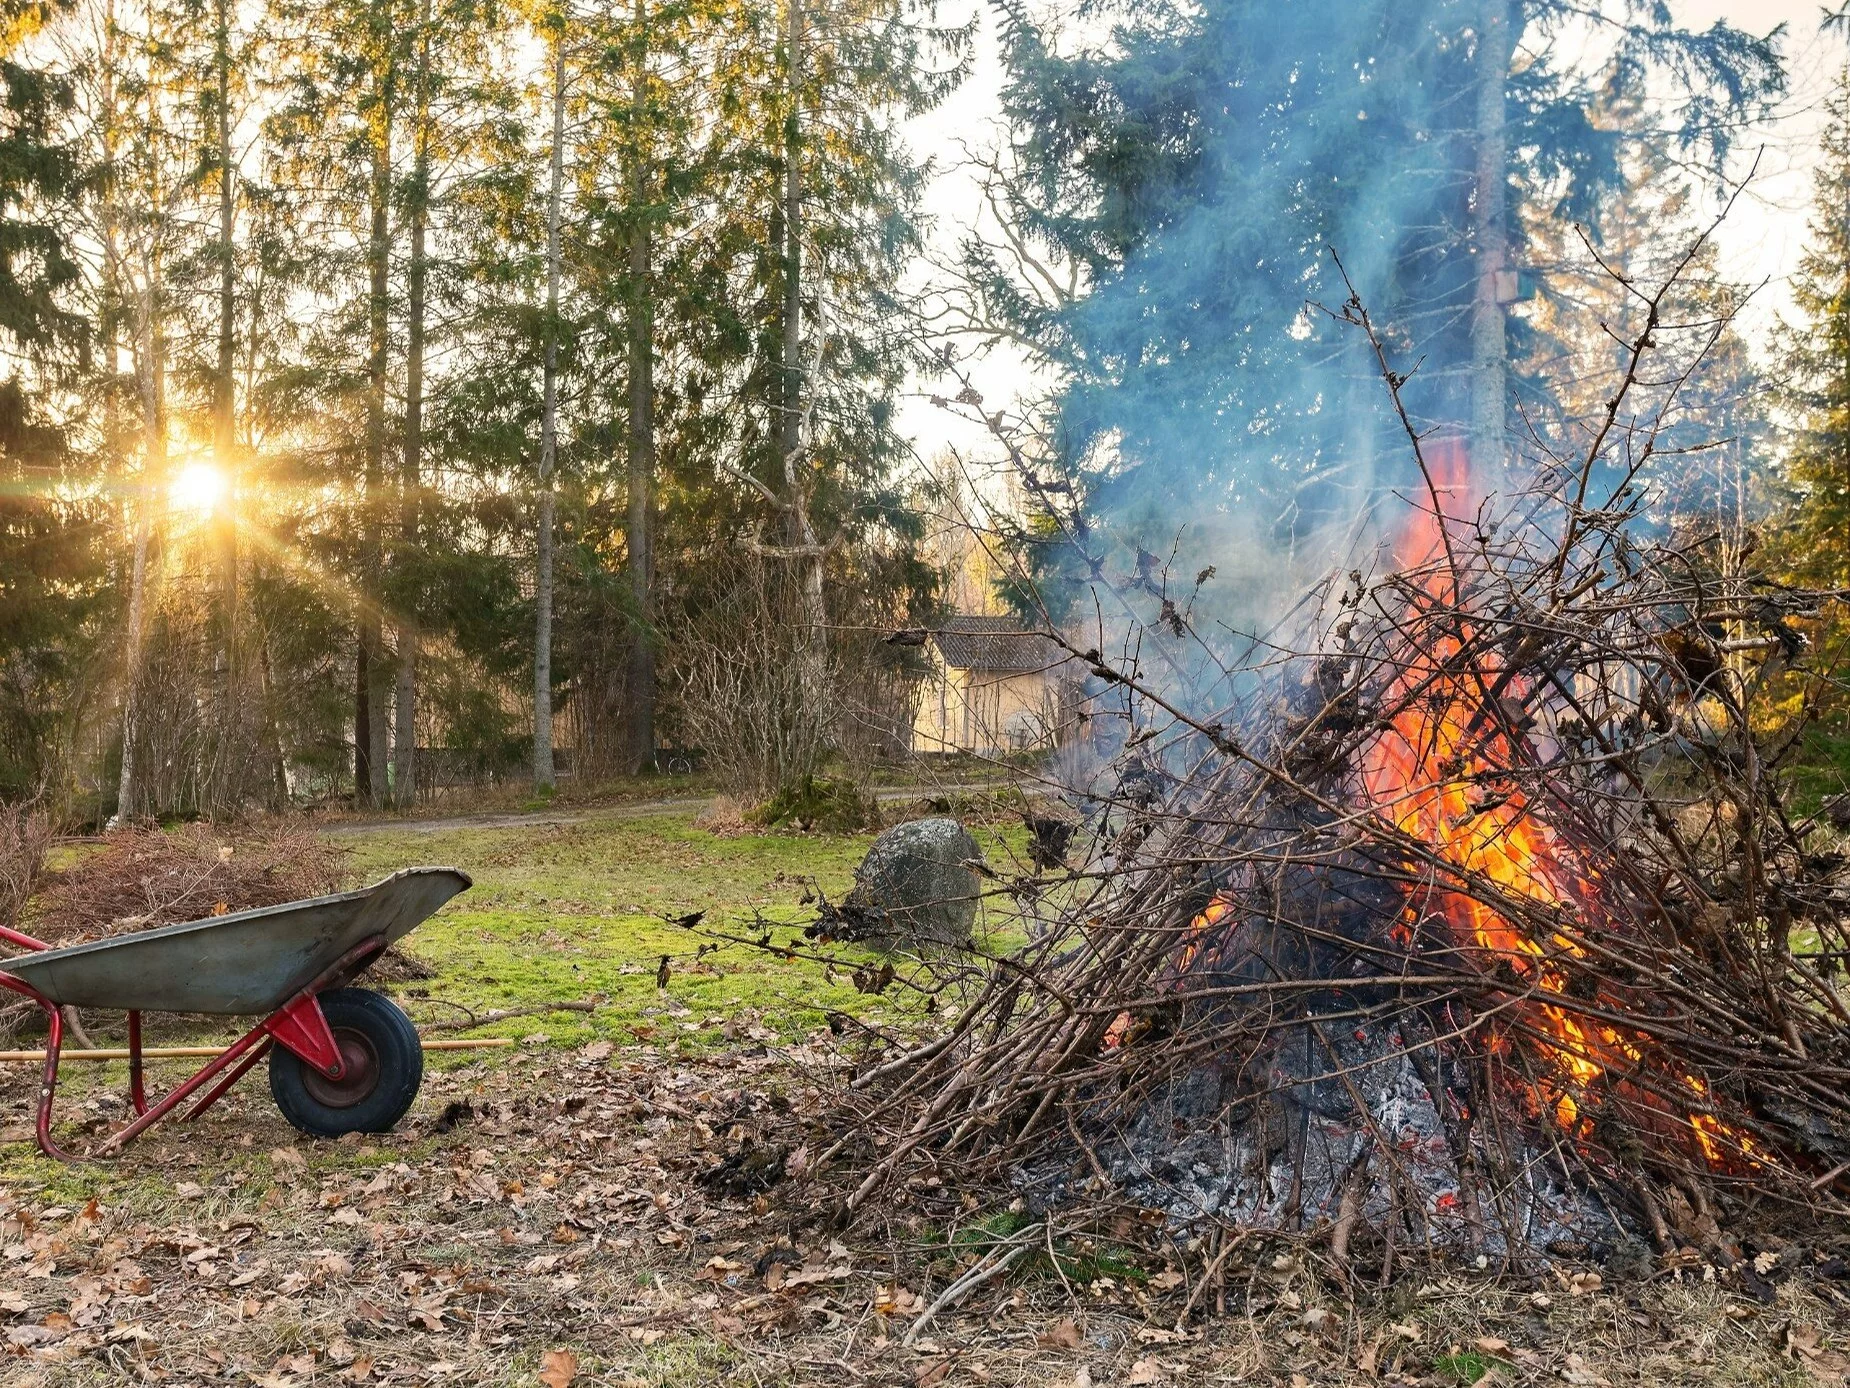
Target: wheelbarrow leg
x=48 y=1084
x=182 y=1092
x=54 y=1046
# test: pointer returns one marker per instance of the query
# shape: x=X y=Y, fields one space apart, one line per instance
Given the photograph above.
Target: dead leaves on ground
x=565 y=1210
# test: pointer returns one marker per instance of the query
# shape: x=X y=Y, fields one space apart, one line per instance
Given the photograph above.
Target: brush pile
x=143 y=877
x=1479 y=921
x=140 y=878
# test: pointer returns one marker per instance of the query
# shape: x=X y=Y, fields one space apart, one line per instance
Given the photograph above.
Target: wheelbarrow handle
x=13 y=937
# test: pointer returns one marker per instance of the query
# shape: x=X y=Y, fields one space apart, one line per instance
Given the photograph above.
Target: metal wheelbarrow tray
x=341 y=1059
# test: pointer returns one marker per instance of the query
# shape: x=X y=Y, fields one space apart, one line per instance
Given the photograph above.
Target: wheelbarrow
x=342 y=1059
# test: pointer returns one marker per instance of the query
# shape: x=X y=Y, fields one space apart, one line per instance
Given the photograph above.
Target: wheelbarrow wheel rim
x=359 y=1077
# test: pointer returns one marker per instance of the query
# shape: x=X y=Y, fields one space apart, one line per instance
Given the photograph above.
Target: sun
x=197 y=487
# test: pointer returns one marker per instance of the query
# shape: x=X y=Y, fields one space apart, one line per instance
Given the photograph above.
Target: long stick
x=205 y=1052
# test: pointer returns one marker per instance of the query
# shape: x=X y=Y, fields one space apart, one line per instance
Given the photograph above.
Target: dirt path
x=633 y=809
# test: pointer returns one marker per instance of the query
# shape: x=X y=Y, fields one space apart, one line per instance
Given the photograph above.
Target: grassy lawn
x=584 y=912
x=581 y=912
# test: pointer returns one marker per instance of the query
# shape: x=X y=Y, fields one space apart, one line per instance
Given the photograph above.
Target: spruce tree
x=1817 y=352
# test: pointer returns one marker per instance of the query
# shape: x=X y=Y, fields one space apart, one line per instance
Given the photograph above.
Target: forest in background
x=358 y=337
x=407 y=392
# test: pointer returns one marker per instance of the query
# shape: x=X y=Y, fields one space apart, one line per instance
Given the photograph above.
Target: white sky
x=1762 y=241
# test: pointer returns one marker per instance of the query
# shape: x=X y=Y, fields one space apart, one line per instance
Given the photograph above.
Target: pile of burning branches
x=1478 y=921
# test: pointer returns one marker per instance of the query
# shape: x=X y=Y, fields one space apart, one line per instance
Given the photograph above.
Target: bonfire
x=1479 y=925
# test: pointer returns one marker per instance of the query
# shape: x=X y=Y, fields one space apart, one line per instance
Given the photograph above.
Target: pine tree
x=1817 y=352
x=555 y=26
x=52 y=582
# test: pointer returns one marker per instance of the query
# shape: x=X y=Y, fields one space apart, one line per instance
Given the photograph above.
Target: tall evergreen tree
x=1817 y=354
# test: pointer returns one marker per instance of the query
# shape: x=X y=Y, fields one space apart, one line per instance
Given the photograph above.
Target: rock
x=915 y=886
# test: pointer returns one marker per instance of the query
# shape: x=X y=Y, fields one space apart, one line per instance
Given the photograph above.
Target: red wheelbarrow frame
x=299 y=1026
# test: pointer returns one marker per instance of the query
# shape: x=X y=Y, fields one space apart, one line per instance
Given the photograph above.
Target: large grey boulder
x=915 y=886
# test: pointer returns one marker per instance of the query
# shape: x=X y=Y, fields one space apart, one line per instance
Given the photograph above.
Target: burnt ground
x=541 y=1218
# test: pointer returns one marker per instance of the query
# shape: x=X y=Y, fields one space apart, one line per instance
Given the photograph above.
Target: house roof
x=994 y=643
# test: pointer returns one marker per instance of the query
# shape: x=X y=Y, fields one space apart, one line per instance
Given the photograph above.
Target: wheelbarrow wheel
x=384 y=1068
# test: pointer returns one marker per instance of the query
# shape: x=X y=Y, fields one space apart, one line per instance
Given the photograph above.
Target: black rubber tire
x=386 y=1068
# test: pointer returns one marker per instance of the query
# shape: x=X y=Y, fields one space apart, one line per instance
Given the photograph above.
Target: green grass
x=582 y=911
x=1466 y=1367
x=1820 y=766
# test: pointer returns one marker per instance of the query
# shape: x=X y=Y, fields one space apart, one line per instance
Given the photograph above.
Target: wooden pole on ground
x=205 y=1052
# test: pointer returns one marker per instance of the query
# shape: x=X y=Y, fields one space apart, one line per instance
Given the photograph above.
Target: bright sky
x=1761 y=242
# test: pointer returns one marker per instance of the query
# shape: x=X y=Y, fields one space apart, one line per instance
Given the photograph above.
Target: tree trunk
x=149 y=380
x=223 y=788
x=791 y=441
x=362 y=714
x=272 y=729
x=151 y=387
x=1489 y=328
x=549 y=411
x=371 y=692
x=641 y=681
x=790 y=426
x=405 y=736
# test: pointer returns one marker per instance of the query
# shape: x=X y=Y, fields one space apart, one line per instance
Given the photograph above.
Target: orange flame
x=1439 y=772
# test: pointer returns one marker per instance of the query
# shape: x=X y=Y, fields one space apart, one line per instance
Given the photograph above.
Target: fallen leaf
x=1801 y=1341
x=897 y=1301
x=1144 y=1371
x=31 y=1336
x=558 y=1367
x=1584 y=1283
x=1369 y=1356
x=1062 y=1334
x=933 y=1371
x=1158 y=1335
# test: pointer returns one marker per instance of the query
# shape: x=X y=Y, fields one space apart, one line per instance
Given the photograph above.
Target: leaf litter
x=552 y=1217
